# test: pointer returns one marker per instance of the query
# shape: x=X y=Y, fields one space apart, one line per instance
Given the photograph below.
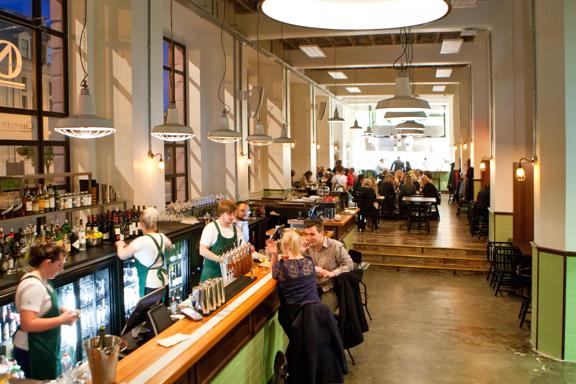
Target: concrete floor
x=437 y=328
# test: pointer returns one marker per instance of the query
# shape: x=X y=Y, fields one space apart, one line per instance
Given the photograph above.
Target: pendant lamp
x=410 y=124
x=355 y=14
x=355 y=126
x=403 y=101
x=223 y=134
x=172 y=130
x=84 y=124
x=335 y=117
x=259 y=138
x=284 y=138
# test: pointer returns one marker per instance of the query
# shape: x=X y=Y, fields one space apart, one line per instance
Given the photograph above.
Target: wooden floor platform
x=448 y=246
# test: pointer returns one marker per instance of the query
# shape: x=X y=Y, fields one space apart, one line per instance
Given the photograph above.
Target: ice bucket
x=103 y=359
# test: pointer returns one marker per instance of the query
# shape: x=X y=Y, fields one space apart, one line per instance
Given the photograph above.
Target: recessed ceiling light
x=353 y=90
x=444 y=72
x=312 y=51
x=469 y=32
x=438 y=88
x=337 y=75
x=355 y=14
x=451 y=46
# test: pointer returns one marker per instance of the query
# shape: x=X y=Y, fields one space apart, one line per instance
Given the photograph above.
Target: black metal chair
x=506 y=260
x=524 y=291
x=357 y=259
x=491 y=247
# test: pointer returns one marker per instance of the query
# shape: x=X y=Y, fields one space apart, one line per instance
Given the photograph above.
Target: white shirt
x=31 y=295
x=244 y=227
x=210 y=234
x=145 y=252
x=340 y=180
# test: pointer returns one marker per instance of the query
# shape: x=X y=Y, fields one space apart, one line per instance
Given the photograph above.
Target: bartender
x=37 y=339
x=218 y=237
x=148 y=251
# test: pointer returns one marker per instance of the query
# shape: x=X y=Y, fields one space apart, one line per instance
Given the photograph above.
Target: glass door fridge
x=9 y=322
x=177 y=267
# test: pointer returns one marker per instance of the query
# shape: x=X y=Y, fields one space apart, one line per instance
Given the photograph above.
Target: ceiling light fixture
x=223 y=134
x=451 y=46
x=353 y=89
x=368 y=131
x=438 y=88
x=409 y=125
x=443 y=72
x=335 y=116
x=312 y=51
x=259 y=138
x=355 y=14
x=172 y=130
x=84 y=124
x=337 y=75
x=403 y=101
x=284 y=138
x=355 y=126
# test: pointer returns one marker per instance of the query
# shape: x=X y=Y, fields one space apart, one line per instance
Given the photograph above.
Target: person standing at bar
x=148 y=251
x=218 y=237
x=241 y=220
x=37 y=340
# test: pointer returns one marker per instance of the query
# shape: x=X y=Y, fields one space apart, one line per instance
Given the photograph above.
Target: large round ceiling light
x=355 y=14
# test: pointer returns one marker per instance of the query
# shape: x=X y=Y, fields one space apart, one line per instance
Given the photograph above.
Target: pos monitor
x=145 y=303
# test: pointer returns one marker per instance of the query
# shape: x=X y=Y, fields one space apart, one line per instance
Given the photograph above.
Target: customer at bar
x=37 y=340
x=306 y=180
x=330 y=257
x=241 y=220
x=148 y=251
x=218 y=237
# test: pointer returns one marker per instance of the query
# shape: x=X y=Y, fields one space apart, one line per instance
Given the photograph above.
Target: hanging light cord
x=258 y=43
x=220 y=91
x=284 y=76
x=83 y=82
x=403 y=61
x=173 y=59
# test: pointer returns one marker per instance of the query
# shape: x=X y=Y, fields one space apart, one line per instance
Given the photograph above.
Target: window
x=175 y=154
x=33 y=87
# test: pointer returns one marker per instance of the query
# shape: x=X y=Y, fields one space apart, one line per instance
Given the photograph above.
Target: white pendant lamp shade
x=335 y=117
x=284 y=138
x=410 y=124
x=403 y=100
x=259 y=138
x=400 y=117
x=172 y=130
x=224 y=134
x=355 y=126
x=355 y=14
x=85 y=124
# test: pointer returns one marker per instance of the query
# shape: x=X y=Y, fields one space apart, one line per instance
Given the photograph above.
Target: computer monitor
x=159 y=318
x=145 y=303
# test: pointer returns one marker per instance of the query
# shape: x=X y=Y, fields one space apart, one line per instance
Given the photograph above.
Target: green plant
x=30 y=153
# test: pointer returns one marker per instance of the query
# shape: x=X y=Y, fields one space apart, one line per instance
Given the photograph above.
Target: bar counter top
x=152 y=363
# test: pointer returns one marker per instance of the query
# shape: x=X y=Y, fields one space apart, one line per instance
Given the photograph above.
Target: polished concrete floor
x=439 y=328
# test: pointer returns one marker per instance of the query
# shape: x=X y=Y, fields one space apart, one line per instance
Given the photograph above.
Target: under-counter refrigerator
x=176 y=264
x=90 y=293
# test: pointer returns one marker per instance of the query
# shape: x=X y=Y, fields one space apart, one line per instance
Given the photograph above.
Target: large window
x=33 y=86
x=175 y=154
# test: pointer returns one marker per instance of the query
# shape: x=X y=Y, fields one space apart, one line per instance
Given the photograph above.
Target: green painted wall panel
x=534 y=310
x=254 y=364
x=570 y=338
x=503 y=228
x=551 y=296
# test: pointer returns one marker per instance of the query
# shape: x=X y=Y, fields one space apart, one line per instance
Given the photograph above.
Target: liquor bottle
x=117 y=230
x=95 y=227
x=104 y=227
x=57 y=200
x=35 y=203
x=41 y=201
x=82 y=236
x=28 y=202
x=51 y=199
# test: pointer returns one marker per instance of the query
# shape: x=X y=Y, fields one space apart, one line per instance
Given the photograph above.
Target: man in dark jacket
x=397 y=165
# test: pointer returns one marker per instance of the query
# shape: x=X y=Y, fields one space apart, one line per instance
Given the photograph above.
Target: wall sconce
x=317 y=146
x=152 y=155
x=483 y=163
x=520 y=172
x=293 y=145
x=465 y=146
x=335 y=147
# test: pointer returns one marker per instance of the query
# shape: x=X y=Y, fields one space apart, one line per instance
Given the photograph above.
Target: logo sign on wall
x=10 y=65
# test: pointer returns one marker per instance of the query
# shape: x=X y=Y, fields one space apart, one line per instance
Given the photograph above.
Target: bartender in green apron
x=219 y=236
x=37 y=339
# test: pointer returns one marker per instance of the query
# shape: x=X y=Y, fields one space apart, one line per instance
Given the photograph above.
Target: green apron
x=211 y=269
x=143 y=270
x=44 y=347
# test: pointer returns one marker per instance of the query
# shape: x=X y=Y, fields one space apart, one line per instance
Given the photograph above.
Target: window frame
x=172 y=176
x=37 y=111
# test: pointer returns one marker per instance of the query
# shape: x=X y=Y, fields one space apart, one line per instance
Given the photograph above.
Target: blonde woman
x=295 y=273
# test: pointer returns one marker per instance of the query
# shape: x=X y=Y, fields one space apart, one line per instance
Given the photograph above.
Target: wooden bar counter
x=344 y=225
x=200 y=358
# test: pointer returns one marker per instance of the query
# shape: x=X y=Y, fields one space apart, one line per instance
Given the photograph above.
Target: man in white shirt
x=241 y=220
